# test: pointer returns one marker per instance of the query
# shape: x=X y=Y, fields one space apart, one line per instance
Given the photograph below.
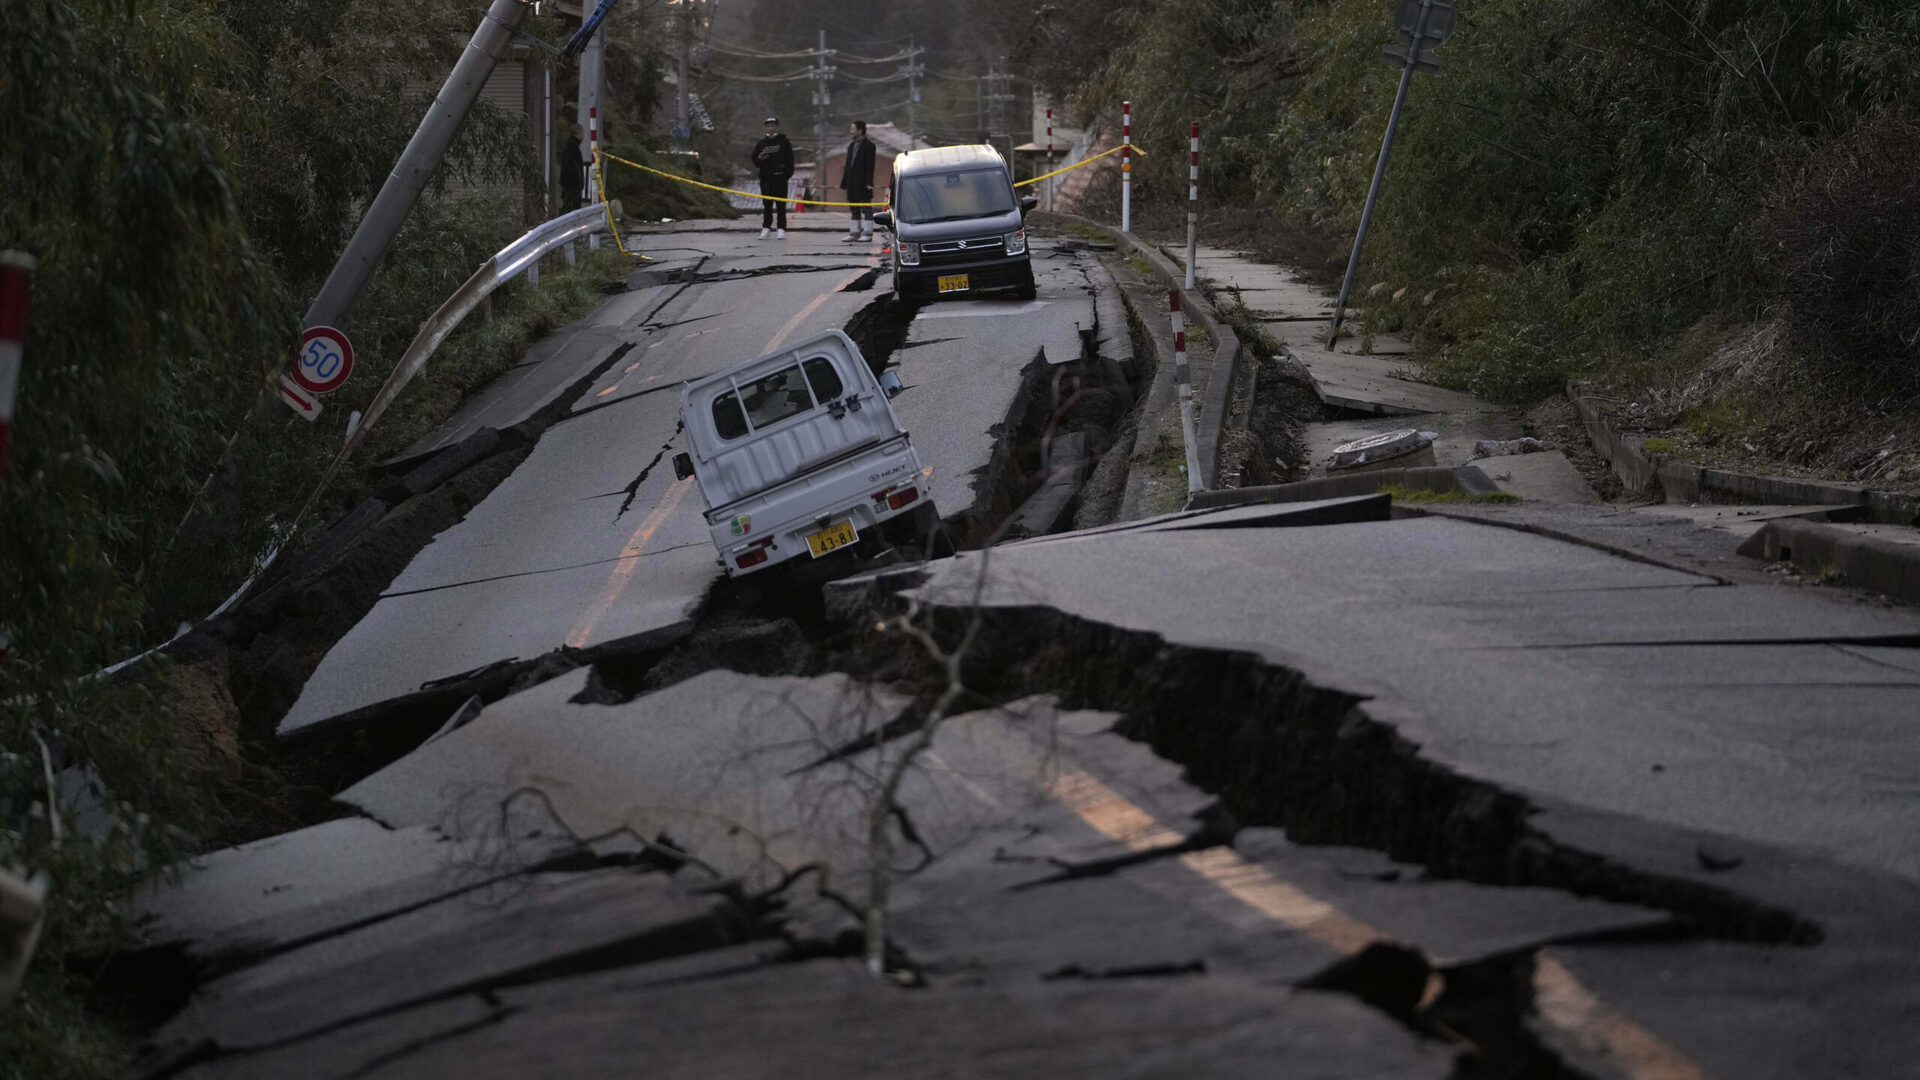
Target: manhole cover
x=1376 y=450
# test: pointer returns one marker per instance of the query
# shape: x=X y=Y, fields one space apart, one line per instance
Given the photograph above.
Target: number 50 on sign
x=324 y=360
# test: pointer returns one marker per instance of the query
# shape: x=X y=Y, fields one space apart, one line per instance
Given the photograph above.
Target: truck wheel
x=935 y=543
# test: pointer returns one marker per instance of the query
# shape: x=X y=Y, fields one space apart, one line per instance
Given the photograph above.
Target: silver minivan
x=959 y=226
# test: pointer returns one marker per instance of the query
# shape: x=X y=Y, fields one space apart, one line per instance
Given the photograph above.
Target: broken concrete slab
x=801 y=1016
x=1450 y=921
x=552 y=364
x=1371 y=384
x=1547 y=476
x=715 y=763
x=278 y=892
x=1884 y=558
x=536 y=927
x=1739 y=520
x=1470 y=640
x=1045 y=509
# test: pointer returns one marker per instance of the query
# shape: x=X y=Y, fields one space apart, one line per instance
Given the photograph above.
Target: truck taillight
x=750 y=558
x=901 y=498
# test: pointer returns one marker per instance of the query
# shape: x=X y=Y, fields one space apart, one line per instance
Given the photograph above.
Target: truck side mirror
x=1027 y=203
x=890 y=382
x=884 y=219
x=683 y=465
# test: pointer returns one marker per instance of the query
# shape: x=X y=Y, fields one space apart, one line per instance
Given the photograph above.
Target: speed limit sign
x=324 y=361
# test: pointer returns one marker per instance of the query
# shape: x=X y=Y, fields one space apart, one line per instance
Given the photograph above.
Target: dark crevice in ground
x=864 y=282
x=1281 y=751
x=880 y=329
x=633 y=488
x=784 y=268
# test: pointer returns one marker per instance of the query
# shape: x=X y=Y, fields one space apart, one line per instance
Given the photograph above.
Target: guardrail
x=508 y=263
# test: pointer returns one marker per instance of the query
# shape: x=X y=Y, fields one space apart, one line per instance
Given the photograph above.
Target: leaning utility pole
x=416 y=165
x=1423 y=25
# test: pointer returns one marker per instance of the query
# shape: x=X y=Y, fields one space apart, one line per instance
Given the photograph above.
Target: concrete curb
x=1686 y=482
x=1867 y=561
x=1226 y=343
x=1467 y=480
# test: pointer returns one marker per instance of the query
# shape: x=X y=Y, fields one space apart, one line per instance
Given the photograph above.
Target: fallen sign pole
x=1423 y=24
x=1183 y=376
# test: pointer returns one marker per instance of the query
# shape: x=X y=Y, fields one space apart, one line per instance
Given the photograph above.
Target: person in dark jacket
x=573 y=172
x=857 y=179
x=773 y=156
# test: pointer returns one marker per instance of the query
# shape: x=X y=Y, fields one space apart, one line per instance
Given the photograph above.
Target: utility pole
x=593 y=84
x=822 y=76
x=416 y=165
x=980 y=100
x=998 y=98
x=682 y=120
x=1423 y=25
x=915 y=69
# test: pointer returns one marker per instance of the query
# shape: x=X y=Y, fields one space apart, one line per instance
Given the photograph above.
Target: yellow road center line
x=1570 y=1007
x=629 y=558
x=812 y=306
x=622 y=573
x=1559 y=997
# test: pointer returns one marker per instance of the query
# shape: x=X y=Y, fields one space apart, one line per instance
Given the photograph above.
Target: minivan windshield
x=952 y=196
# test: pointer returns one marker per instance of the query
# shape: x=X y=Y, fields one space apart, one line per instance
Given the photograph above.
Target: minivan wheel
x=1027 y=290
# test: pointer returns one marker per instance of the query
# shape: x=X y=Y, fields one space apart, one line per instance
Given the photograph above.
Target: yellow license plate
x=832 y=538
x=954 y=283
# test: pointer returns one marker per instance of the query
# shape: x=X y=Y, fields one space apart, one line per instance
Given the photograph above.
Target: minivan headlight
x=909 y=253
x=1016 y=242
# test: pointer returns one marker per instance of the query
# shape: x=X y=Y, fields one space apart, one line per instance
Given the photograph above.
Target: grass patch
x=1402 y=493
x=1658 y=446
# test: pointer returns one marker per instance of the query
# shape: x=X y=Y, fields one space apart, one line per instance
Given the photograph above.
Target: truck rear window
x=826 y=381
x=761 y=403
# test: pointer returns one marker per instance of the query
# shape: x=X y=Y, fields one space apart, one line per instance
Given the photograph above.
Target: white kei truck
x=800 y=456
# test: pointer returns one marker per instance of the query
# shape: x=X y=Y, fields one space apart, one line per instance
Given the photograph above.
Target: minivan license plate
x=953 y=283
x=832 y=538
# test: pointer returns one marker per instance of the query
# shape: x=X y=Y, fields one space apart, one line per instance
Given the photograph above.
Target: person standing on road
x=573 y=172
x=857 y=180
x=773 y=156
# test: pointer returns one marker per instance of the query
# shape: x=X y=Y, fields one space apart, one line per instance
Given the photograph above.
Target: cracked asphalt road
x=1286 y=790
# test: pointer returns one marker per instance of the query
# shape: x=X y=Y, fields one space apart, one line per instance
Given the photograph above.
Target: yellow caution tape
x=735 y=191
x=1078 y=164
x=600 y=177
x=815 y=202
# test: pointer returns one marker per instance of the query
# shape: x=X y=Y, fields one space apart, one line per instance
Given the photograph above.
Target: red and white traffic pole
x=1183 y=377
x=1050 y=180
x=593 y=178
x=1126 y=166
x=16 y=282
x=1193 y=198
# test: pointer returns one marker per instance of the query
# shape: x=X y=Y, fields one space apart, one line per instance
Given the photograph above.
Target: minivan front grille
x=970 y=247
